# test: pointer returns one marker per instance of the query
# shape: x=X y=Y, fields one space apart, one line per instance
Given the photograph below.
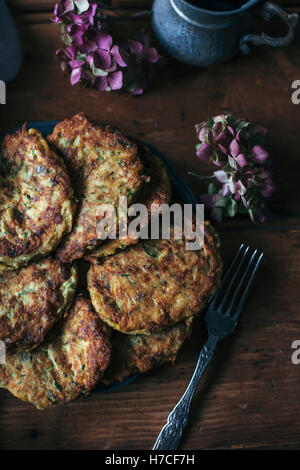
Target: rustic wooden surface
x=250 y=396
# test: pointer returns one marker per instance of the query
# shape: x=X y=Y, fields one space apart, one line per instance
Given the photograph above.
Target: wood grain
x=38 y=5
x=250 y=395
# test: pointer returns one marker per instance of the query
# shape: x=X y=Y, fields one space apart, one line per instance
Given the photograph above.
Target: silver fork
x=221 y=319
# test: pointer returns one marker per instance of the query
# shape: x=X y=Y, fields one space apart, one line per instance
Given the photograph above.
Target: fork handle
x=170 y=435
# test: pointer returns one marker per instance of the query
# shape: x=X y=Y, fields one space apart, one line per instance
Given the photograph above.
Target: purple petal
x=260 y=154
x=261 y=217
x=218 y=127
x=222 y=148
x=76 y=19
x=225 y=189
x=66 y=7
x=90 y=59
x=203 y=134
x=115 y=51
x=101 y=83
x=231 y=130
x=77 y=42
x=199 y=126
x=104 y=41
x=102 y=59
x=234 y=148
x=88 y=46
x=75 y=64
x=135 y=47
x=76 y=31
x=244 y=201
x=61 y=54
x=91 y=13
x=221 y=136
x=151 y=55
x=204 y=152
x=116 y=80
x=75 y=76
x=70 y=51
x=221 y=176
x=138 y=91
x=241 y=159
x=268 y=189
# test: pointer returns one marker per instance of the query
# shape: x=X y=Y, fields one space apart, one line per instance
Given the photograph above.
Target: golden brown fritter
x=36 y=199
x=69 y=363
x=156 y=191
x=142 y=290
x=33 y=299
x=104 y=165
x=133 y=354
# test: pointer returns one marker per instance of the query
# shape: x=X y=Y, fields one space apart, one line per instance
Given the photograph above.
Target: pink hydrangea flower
x=244 y=177
x=91 y=56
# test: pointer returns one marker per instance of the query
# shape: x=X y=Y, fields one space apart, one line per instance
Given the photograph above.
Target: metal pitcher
x=203 y=37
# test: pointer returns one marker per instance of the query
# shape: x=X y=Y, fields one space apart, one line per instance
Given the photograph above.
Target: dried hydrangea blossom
x=244 y=179
x=93 y=58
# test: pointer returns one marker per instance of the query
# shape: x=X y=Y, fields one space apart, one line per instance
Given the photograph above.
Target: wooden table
x=250 y=396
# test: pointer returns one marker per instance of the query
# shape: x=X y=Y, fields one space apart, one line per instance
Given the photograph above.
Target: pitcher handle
x=267 y=11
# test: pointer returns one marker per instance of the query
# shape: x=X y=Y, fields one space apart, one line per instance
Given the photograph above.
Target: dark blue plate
x=180 y=189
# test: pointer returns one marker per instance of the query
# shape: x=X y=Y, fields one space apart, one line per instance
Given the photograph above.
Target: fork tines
x=237 y=281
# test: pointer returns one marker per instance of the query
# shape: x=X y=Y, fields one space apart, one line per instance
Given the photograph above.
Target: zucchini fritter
x=156 y=191
x=140 y=353
x=104 y=165
x=68 y=364
x=147 y=288
x=36 y=199
x=33 y=299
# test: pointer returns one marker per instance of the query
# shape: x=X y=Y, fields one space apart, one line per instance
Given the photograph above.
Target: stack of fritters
x=71 y=361
x=36 y=199
x=143 y=294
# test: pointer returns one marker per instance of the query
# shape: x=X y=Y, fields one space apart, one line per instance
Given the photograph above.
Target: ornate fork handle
x=170 y=435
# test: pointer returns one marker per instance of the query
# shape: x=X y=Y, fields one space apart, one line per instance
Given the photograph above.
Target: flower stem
x=201 y=177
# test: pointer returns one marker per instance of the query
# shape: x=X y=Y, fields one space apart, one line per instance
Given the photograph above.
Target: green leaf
x=212 y=189
x=242 y=124
x=222 y=202
x=210 y=122
x=81 y=57
x=251 y=215
x=230 y=120
x=98 y=72
x=231 y=208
